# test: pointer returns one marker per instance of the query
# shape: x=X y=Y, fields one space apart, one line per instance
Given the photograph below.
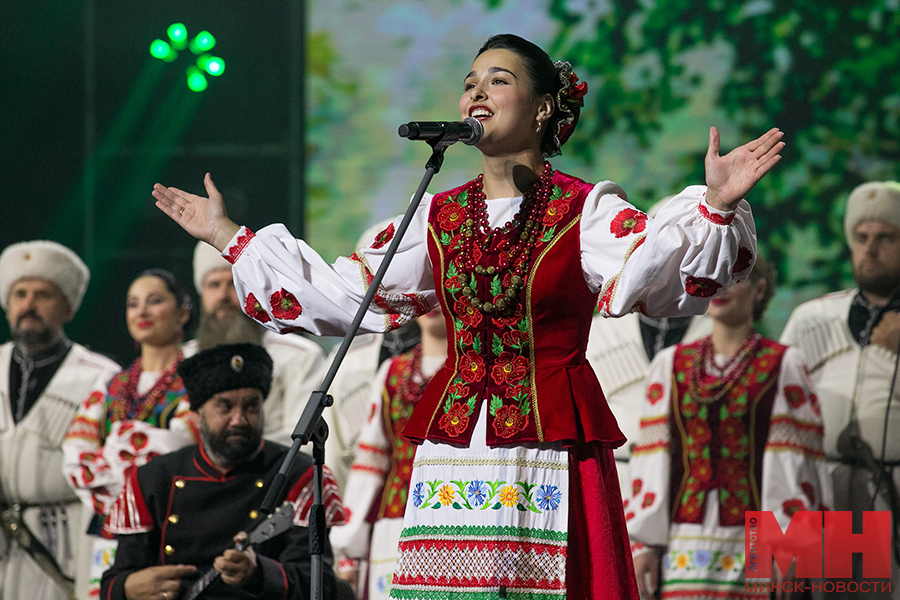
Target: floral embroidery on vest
x=403 y=388
x=492 y=347
x=716 y=440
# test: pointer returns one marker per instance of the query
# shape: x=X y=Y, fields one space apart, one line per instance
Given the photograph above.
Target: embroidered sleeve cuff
x=638 y=549
x=711 y=214
x=236 y=246
x=347 y=564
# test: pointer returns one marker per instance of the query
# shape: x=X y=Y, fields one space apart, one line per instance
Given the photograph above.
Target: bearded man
x=851 y=341
x=297 y=361
x=44 y=378
x=179 y=514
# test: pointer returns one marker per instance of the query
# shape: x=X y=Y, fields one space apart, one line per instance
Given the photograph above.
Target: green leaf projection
x=659 y=74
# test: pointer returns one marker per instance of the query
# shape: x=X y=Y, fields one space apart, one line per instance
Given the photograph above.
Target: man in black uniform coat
x=179 y=514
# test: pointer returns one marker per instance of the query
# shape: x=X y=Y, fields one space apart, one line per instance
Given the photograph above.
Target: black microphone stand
x=311 y=426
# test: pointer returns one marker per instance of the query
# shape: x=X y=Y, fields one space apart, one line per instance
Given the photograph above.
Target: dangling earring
x=539 y=127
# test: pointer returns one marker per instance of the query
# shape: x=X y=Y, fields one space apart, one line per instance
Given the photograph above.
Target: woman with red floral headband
x=514 y=491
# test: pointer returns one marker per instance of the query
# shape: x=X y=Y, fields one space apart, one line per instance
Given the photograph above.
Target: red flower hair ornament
x=569 y=97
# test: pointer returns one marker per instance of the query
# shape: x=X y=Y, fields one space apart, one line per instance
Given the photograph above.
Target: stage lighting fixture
x=200 y=45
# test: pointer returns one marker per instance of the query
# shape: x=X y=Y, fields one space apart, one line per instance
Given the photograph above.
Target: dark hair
x=763 y=270
x=545 y=79
x=182 y=297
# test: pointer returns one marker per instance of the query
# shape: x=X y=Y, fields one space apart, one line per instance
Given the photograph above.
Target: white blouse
x=286 y=285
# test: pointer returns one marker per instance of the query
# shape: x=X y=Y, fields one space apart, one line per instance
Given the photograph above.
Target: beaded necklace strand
x=513 y=252
x=130 y=406
x=708 y=388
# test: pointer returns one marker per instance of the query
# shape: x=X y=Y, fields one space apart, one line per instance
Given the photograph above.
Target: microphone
x=468 y=131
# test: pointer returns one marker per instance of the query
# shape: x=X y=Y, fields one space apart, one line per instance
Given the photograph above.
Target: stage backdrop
x=88 y=121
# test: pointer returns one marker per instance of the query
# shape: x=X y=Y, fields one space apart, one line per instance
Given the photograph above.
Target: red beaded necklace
x=708 y=388
x=513 y=252
x=412 y=384
x=130 y=406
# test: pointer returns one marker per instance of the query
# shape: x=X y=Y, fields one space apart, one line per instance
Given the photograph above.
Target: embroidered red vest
x=400 y=396
x=528 y=365
x=719 y=445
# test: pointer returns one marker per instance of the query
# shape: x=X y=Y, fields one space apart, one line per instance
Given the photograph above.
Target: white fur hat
x=48 y=260
x=873 y=201
x=206 y=259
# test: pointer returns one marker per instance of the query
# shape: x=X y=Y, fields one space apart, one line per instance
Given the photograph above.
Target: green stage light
x=195 y=79
x=214 y=65
x=162 y=50
x=203 y=42
x=178 y=34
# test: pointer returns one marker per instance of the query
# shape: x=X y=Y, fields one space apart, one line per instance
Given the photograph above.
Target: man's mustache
x=26 y=315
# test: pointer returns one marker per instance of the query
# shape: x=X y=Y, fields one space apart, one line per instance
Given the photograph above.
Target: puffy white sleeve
x=647 y=511
x=794 y=470
x=285 y=285
x=665 y=266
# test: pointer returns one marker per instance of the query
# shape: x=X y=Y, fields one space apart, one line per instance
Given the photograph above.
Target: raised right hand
x=203 y=218
x=157 y=583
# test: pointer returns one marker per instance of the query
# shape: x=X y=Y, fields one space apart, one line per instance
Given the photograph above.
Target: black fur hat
x=223 y=368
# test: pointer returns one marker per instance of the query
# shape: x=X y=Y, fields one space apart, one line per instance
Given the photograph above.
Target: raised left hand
x=237 y=566
x=731 y=177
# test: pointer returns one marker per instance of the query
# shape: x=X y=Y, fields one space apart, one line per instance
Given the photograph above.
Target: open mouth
x=480 y=113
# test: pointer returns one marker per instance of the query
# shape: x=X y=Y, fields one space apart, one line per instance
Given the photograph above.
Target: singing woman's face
x=152 y=312
x=498 y=92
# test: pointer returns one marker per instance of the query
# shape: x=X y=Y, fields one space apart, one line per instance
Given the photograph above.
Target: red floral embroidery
x=518 y=391
x=451 y=216
x=458 y=390
x=733 y=473
x=690 y=511
x=509 y=420
x=715 y=218
x=814 y=405
x=654 y=393
x=794 y=395
x=455 y=421
x=94 y=398
x=649 y=497
x=743 y=260
x=734 y=436
x=628 y=221
x=629 y=516
x=237 y=248
x=636 y=486
x=138 y=440
x=471 y=367
x=515 y=338
x=701 y=287
x=701 y=470
x=734 y=508
x=467 y=313
x=625 y=503
x=809 y=491
x=698 y=431
x=555 y=212
x=792 y=506
x=284 y=305
x=454 y=284
x=255 y=310
x=509 y=368
x=384 y=237
x=465 y=338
